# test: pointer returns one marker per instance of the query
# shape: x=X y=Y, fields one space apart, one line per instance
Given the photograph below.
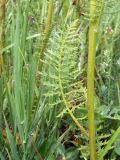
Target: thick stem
x=91 y=77
x=95 y=17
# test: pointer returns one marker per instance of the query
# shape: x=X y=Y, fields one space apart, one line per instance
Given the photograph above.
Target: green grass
x=59 y=80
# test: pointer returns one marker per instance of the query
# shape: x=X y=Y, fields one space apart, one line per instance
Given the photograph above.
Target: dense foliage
x=43 y=80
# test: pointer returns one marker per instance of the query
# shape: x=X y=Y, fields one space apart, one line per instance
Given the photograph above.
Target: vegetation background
x=44 y=48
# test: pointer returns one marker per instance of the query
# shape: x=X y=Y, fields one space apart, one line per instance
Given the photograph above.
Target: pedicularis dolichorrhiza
x=46 y=109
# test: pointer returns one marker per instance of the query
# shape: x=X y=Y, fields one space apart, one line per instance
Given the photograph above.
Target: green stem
x=95 y=17
x=47 y=32
x=109 y=143
x=90 y=78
